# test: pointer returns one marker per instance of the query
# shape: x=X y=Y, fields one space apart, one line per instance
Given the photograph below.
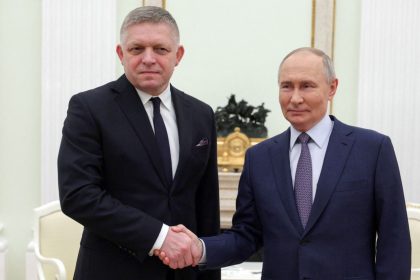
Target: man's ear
x=179 y=54
x=120 y=53
x=333 y=89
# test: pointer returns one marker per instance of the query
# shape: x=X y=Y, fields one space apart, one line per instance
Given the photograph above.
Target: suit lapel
x=133 y=109
x=183 y=119
x=279 y=154
x=339 y=146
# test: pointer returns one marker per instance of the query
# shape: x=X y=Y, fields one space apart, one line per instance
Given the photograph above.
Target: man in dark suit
x=131 y=165
x=323 y=198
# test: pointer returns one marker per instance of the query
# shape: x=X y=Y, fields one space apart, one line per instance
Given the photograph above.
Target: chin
x=150 y=86
x=299 y=125
x=296 y=120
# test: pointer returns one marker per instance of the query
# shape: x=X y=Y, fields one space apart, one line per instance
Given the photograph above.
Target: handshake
x=181 y=248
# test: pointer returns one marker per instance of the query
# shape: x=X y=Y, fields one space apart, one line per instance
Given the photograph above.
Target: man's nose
x=296 y=97
x=149 y=56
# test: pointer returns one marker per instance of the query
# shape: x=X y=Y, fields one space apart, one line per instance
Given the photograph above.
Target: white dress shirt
x=320 y=136
x=167 y=111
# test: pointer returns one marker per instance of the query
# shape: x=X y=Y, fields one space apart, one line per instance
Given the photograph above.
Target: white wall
x=236 y=47
x=346 y=58
x=20 y=98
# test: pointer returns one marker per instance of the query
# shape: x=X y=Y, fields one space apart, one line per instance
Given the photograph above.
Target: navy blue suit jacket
x=111 y=180
x=358 y=226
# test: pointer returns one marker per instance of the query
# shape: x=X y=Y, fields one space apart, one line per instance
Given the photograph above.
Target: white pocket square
x=203 y=142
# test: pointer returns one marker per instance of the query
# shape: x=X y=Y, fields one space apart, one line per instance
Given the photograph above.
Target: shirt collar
x=319 y=133
x=165 y=97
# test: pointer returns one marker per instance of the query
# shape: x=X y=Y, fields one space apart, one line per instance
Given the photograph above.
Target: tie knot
x=303 y=138
x=156 y=103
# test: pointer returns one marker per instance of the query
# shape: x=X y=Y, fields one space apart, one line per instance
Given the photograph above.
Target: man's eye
x=161 y=50
x=308 y=85
x=136 y=50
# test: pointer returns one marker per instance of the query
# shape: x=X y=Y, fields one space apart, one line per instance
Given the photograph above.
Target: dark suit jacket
x=359 y=197
x=112 y=182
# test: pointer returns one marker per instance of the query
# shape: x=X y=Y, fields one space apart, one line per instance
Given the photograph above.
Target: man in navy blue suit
x=137 y=156
x=323 y=199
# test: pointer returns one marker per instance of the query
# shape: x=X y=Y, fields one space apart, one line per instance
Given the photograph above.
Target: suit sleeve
x=82 y=194
x=393 y=257
x=207 y=200
x=244 y=238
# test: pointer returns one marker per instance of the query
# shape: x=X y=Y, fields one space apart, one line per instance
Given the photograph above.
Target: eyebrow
x=300 y=81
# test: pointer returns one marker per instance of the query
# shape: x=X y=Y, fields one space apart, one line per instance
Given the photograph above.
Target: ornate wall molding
x=78 y=53
x=323 y=25
x=158 y=3
x=228 y=184
x=323 y=28
x=389 y=97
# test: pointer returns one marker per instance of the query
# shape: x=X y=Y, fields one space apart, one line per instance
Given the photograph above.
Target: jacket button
x=304 y=242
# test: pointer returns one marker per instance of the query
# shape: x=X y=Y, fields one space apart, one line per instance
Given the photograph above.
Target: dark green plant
x=248 y=118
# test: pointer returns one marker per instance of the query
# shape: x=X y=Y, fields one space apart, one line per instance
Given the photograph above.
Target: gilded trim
x=333 y=30
x=313 y=23
x=331 y=107
x=163 y=3
x=332 y=49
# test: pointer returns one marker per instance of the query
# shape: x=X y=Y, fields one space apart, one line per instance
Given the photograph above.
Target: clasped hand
x=181 y=248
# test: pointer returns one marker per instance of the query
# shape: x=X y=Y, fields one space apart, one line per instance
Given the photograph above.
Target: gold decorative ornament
x=231 y=150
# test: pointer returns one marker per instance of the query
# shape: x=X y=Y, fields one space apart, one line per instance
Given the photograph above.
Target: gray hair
x=326 y=60
x=149 y=14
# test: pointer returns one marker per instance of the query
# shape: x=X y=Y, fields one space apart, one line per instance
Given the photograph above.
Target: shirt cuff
x=203 y=259
x=160 y=239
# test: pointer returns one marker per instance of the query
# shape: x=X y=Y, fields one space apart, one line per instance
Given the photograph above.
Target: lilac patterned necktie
x=303 y=180
x=162 y=140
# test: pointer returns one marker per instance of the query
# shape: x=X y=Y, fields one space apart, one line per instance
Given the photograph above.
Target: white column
x=3 y=251
x=78 y=53
x=389 y=88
